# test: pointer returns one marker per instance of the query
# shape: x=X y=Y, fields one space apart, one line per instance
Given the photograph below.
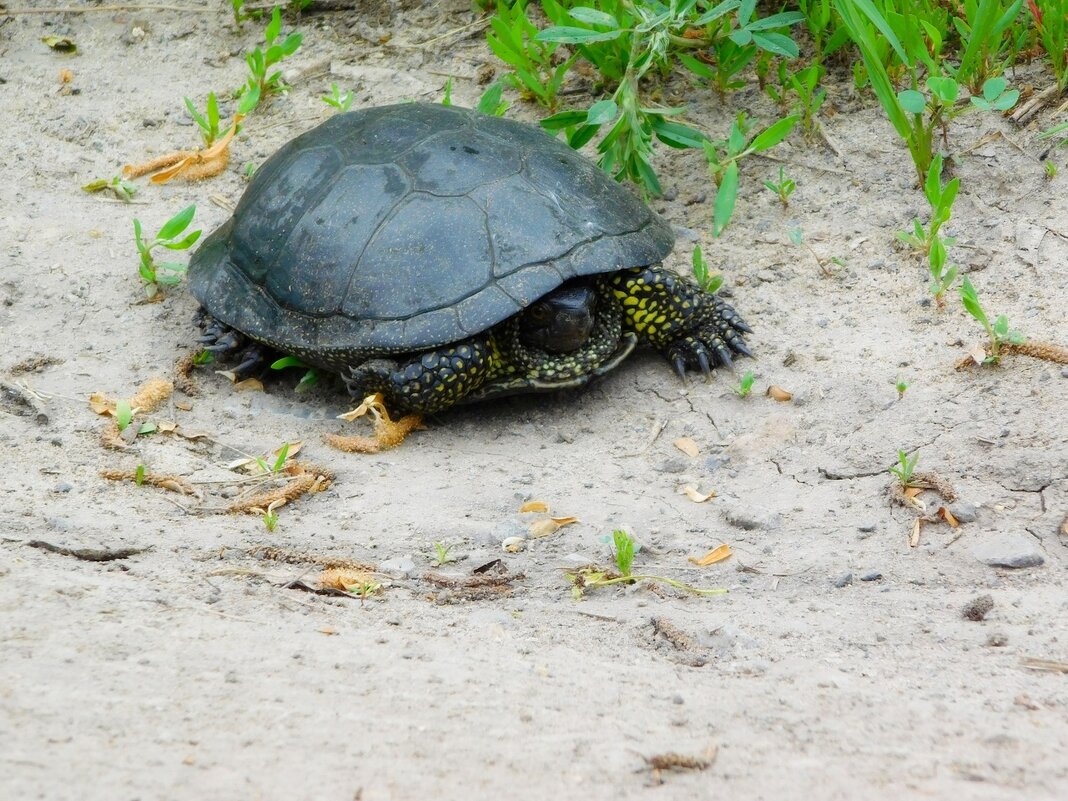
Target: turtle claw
x=723 y=357
x=680 y=367
x=738 y=346
x=226 y=343
x=703 y=363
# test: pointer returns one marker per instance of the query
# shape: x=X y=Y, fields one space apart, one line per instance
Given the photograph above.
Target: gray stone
x=872 y=575
x=964 y=511
x=1009 y=550
x=675 y=464
x=398 y=567
x=868 y=527
x=751 y=519
x=843 y=580
x=63 y=486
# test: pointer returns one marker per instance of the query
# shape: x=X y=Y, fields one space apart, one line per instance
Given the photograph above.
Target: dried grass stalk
x=1048 y=351
x=151 y=395
x=341 y=578
x=161 y=480
x=183 y=375
x=279 y=496
x=388 y=434
x=298 y=558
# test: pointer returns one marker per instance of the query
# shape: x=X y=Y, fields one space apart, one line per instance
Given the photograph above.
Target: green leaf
x=601 y=112
x=567 y=35
x=274 y=27
x=970 y=298
x=911 y=101
x=197 y=118
x=726 y=195
x=724 y=8
x=490 y=101
x=795 y=236
x=178 y=223
x=287 y=361
x=993 y=88
x=932 y=186
x=675 y=134
x=281 y=460
x=137 y=235
x=773 y=134
x=745 y=12
x=1007 y=100
x=783 y=20
x=741 y=37
x=945 y=89
x=249 y=100
x=564 y=119
x=123 y=414
x=184 y=243
x=697 y=67
x=594 y=17
x=776 y=43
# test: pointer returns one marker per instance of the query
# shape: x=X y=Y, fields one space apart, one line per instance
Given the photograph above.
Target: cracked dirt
x=194 y=670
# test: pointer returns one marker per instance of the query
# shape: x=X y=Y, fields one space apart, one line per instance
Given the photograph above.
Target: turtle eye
x=539 y=313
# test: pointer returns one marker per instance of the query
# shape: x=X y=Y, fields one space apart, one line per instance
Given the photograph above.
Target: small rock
x=63 y=486
x=978 y=608
x=871 y=575
x=964 y=511
x=843 y=580
x=1009 y=550
x=1064 y=372
x=678 y=700
x=577 y=559
x=997 y=640
x=867 y=528
x=60 y=523
x=674 y=465
x=750 y=519
x=398 y=567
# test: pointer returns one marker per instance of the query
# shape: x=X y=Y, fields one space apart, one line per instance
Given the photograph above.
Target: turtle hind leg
x=228 y=344
x=426 y=382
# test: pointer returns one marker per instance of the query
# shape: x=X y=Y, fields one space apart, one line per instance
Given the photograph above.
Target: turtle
x=438 y=255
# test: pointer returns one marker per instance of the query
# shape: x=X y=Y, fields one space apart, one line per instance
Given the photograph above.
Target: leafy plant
x=901 y=385
x=262 y=81
x=723 y=157
x=624 y=549
x=311 y=374
x=492 y=102
x=998 y=332
x=446 y=92
x=708 y=281
x=941 y=200
x=441 y=553
x=784 y=187
x=171 y=236
x=279 y=462
x=745 y=386
x=989 y=39
x=339 y=100
x=139 y=475
x=536 y=75
x=270 y=519
x=1051 y=20
x=810 y=97
x=905 y=467
x=208 y=122
x=123 y=190
x=942 y=274
x=123 y=414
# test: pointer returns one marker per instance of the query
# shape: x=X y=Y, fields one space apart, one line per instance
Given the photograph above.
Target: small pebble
x=978 y=608
x=63 y=486
x=868 y=528
x=964 y=511
x=673 y=465
x=843 y=580
x=398 y=567
x=1064 y=372
x=1009 y=549
x=997 y=640
x=873 y=575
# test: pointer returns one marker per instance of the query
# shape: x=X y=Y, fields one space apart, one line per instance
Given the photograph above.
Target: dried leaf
x=564 y=521
x=329 y=631
x=184 y=406
x=947 y=515
x=691 y=492
x=228 y=374
x=543 y=527
x=776 y=392
x=166 y=426
x=687 y=446
x=914 y=537
x=912 y=492
x=66 y=76
x=977 y=354
x=717 y=554
x=513 y=544
x=101 y=403
x=249 y=385
x=388 y=432
x=63 y=44
x=344 y=579
x=534 y=506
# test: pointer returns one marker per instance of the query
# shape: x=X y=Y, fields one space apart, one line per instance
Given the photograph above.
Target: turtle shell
x=410 y=226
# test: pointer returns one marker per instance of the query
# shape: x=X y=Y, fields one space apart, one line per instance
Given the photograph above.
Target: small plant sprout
x=624 y=549
x=941 y=199
x=208 y=122
x=261 y=80
x=901 y=385
x=441 y=553
x=724 y=155
x=339 y=100
x=998 y=332
x=307 y=381
x=121 y=189
x=745 y=386
x=784 y=187
x=248 y=170
x=706 y=279
x=492 y=102
x=279 y=462
x=905 y=467
x=123 y=414
x=139 y=475
x=1049 y=167
x=536 y=73
x=270 y=518
x=798 y=238
x=200 y=358
x=942 y=275
x=446 y=93
x=172 y=236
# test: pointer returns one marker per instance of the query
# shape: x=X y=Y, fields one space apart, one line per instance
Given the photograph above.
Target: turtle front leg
x=230 y=344
x=427 y=382
x=694 y=329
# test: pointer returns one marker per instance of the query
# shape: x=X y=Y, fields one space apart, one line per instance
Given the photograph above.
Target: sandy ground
x=191 y=671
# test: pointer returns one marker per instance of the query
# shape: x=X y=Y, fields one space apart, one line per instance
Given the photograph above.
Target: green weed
x=901 y=385
x=624 y=548
x=745 y=386
x=905 y=467
x=537 y=74
x=262 y=80
x=941 y=200
x=783 y=188
x=441 y=553
x=998 y=333
x=706 y=279
x=1051 y=20
x=123 y=190
x=311 y=374
x=340 y=101
x=172 y=236
x=492 y=102
x=723 y=156
x=208 y=122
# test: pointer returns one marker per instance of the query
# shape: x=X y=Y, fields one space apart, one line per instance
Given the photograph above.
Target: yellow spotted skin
x=692 y=328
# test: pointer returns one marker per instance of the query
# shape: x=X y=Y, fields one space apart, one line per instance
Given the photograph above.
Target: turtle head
x=561 y=321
